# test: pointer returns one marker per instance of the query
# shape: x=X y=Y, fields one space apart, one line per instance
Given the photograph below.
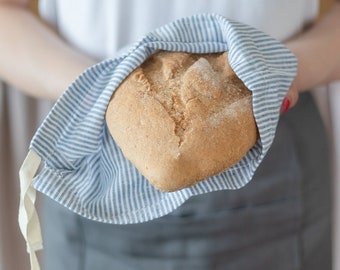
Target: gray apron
x=280 y=220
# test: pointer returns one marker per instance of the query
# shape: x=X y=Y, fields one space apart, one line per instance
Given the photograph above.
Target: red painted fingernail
x=285 y=105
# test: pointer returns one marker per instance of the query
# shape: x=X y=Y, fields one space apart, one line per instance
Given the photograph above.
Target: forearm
x=33 y=57
x=318 y=52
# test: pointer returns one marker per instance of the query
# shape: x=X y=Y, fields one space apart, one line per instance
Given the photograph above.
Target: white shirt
x=101 y=27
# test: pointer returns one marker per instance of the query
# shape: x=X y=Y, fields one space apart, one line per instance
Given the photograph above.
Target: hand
x=317 y=51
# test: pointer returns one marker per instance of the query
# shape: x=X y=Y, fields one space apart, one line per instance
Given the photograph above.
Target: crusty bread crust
x=181 y=118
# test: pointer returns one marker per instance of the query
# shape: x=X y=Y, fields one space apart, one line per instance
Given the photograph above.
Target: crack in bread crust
x=176 y=79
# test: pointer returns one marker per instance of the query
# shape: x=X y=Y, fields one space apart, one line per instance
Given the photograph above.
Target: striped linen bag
x=84 y=169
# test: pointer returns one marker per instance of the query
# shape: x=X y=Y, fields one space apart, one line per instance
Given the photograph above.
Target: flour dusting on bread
x=179 y=118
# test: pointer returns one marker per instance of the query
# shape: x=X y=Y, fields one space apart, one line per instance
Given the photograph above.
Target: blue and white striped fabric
x=85 y=170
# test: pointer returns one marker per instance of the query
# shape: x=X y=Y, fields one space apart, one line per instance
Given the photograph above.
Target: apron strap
x=28 y=217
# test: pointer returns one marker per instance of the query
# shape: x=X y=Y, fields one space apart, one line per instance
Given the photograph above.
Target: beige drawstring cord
x=28 y=217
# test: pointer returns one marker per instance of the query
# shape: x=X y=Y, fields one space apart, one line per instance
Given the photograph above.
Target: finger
x=290 y=99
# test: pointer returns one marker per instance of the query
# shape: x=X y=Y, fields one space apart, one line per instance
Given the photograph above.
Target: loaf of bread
x=181 y=118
